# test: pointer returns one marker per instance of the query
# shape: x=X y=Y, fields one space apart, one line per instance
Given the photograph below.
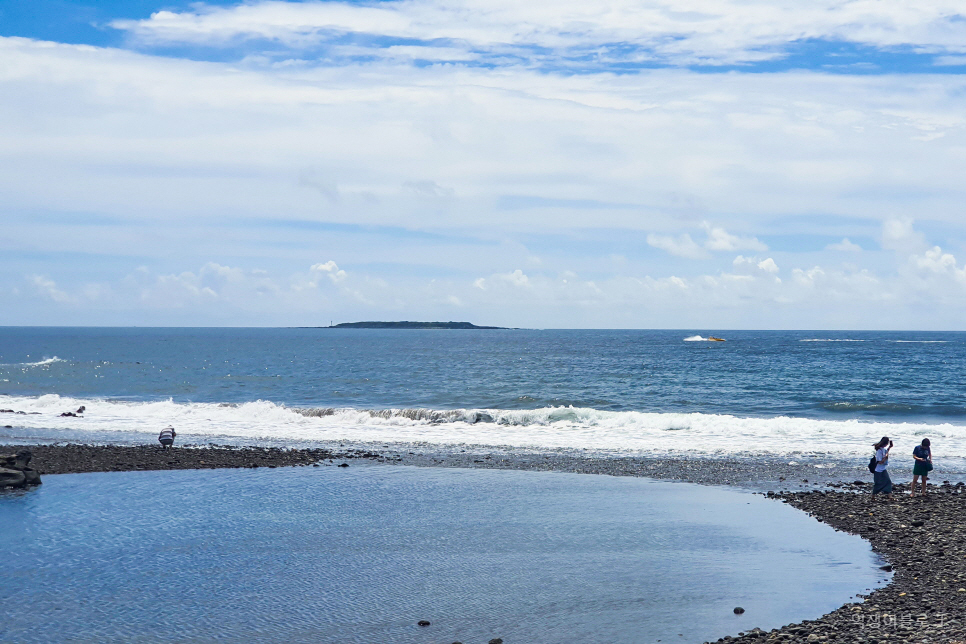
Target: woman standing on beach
x=923 y=456
x=883 y=483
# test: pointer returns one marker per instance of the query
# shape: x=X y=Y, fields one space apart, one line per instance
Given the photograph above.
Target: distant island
x=408 y=325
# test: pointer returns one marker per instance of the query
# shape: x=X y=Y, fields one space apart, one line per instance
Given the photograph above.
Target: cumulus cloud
x=899 y=235
x=745 y=264
x=768 y=265
x=747 y=295
x=516 y=278
x=681 y=246
x=934 y=276
x=330 y=269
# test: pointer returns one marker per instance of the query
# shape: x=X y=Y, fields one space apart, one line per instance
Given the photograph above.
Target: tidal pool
x=361 y=554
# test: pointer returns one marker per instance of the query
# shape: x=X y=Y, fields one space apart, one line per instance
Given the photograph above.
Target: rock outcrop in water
x=15 y=470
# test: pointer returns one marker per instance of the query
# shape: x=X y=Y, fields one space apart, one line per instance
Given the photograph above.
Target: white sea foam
x=553 y=427
x=39 y=363
x=695 y=338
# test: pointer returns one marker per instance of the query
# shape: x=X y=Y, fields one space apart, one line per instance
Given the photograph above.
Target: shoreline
x=923 y=539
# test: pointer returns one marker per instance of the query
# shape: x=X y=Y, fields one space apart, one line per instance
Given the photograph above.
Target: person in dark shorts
x=166 y=437
x=883 y=484
x=923 y=455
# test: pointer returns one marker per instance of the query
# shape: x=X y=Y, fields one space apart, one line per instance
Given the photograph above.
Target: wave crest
x=628 y=432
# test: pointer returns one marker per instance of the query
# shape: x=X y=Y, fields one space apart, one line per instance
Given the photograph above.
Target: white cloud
x=48 y=288
x=410 y=172
x=688 y=31
x=517 y=278
x=899 y=235
x=331 y=269
x=935 y=260
x=746 y=264
x=720 y=239
x=681 y=246
x=846 y=245
x=768 y=265
x=750 y=295
x=344 y=145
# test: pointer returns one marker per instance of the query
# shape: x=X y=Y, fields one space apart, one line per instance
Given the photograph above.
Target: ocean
x=616 y=391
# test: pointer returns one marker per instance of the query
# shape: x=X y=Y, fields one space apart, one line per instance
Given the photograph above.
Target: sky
x=693 y=164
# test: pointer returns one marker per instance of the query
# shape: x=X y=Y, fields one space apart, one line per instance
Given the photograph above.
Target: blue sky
x=703 y=164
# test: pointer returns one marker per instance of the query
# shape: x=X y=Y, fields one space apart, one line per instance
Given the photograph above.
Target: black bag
x=872 y=464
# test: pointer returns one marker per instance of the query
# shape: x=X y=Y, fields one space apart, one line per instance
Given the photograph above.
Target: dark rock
x=422 y=622
x=918 y=524
x=886 y=568
x=23 y=459
x=14 y=471
x=496 y=640
x=739 y=610
x=31 y=476
x=13 y=478
x=16 y=461
x=343 y=465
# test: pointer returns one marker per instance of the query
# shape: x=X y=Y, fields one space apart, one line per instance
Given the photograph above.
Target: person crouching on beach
x=923 y=455
x=166 y=437
x=883 y=484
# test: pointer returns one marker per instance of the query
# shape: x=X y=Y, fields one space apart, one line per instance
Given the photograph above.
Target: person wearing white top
x=883 y=484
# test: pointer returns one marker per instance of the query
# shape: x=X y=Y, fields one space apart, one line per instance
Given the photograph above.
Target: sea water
x=361 y=554
x=631 y=392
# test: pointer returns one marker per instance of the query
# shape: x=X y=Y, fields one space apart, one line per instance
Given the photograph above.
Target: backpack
x=872 y=464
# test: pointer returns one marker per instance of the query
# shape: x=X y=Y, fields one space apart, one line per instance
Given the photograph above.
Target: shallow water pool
x=361 y=554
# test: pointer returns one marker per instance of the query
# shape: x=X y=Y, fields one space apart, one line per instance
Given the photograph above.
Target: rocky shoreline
x=923 y=539
x=76 y=459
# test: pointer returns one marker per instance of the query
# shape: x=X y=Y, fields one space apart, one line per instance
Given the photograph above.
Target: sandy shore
x=923 y=539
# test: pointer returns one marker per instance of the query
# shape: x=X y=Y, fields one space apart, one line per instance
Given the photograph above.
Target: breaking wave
x=630 y=432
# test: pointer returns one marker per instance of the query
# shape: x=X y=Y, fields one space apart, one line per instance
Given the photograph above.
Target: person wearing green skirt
x=923 y=455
